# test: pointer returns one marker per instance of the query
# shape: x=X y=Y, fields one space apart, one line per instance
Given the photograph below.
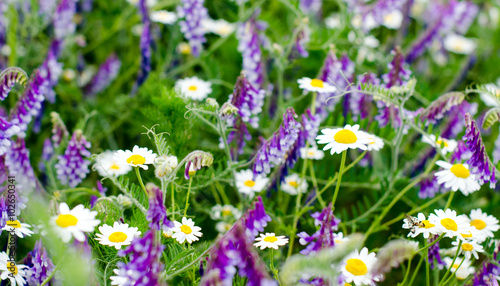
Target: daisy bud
x=125 y=201
x=212 y=102
x=165 y=165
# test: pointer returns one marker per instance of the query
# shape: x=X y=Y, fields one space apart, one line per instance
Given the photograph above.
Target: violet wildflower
x=487 y=275
x=8 y=129
x=157 y=213
x=18 y=163
x=461 y=153
x=361 y=103
x=399 y=73
x=47 y=153
x=59 y=130
x=72 y=168
x=324 y=237
x=39 y=263
x=107 y=72
x=195 y=161
x=255 y=219
x=310 y=126
x=479 y=161
x=145 y=45
x=8 y=78
x=144 y=267
x=434 y=258
x=250 y=47
x=193 y=13
x=273 y=151
x=440 y=107
x=303 y=38
x=3 y=212
x=455 y=124
x=429 y=187
x=311 y=7
x=63 y=19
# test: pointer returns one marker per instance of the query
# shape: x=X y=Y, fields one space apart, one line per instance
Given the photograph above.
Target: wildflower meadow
x=249 y=142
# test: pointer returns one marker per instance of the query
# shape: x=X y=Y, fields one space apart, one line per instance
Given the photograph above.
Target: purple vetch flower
x=388 y=114
x=488 y=273
x=40 y=265
x=107 y=72
x=8 y=129
x=273 y=151
x=47 y=153
x=18 y=163
x=429 y=187
x=324 y=237
x=455 y=124
x=144 y=267
x=250 y=46
x=9 y=77
x=72 y=168
x=434 y=258
x=303 y=38
x=63 y=19
x=193 y=13
x=399 y=73
x=59 y=130
x=157 y=213
x=440 y=107
x=461 y=153
x=479 y=162
x=144 y=45
x=256 y=219
x=4 y=216
x=361 y=103
x=195 y=161
x=310 y=7
x=310 y=126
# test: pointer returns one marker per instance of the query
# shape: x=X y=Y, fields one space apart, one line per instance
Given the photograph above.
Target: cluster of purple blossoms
x=39 y=263
x=373 y=15
x=434 y=257
x=59 y=130
x=273 y=151
x=157 y=213
x=489 y=272
x=144 y=46
x=72 y=168
x=256 y=219
x=361 y=103
x=8 y=129
x=8 y=78
x=440 y=107
x=63 y=19
x=47 y=153
x=324 y=237
x=455 y=124
x=250 y=46
x=303 y=38
x=479 y=161
x=18 y=163
x=144 y=267
x=193 y=13
x=461 y=153
x=107 y=72
x=429 y=187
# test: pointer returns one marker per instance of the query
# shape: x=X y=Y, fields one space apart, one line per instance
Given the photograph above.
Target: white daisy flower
x=393 y=19
x=469 y=248
x=74 y=222
x=184 y=48
x=484 y=223
x=311 y=153
x=357 y=267
x=474 y=234
x=108 y=164
x=340 y=139
x=458 y=44
x=15 y=272
x=138 y=157
x=220 y=27
x=457 y=177
x=20 y=229
x=339 y=238
x=164 y=17
x=120 y=280
x=223 y=226
x=293 y=184
x=375 y=143
x=186 y=231
x=427 y=229
x=449 y=223
x=225 y=212
x=446 y=145
x=315 y=85
x=247 y=185
x=463 y=271
x=193 y=88
x=167 y=232
x=118 y=235
x=270 y=240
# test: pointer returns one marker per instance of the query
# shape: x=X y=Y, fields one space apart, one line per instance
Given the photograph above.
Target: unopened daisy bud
x=167 y=232
x=212 y=102
x=125 y=201
x=393 y=254
x=165 y=165
x=184 y=48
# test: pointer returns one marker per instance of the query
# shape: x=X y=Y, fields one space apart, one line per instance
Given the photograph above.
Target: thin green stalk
x=187 y=196
x=426 y=246
x=407 y=272
x=140 y=180
x=452 y=263
x=450 y=198
x=315 y=183
x=173 y=203
x=47 y=280
x=341 y=172
x=427 y=266
x=416 y=270
x=454 y=273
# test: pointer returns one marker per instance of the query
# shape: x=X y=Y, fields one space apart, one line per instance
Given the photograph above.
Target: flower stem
x=140 y=180
x=452 y=263
x=173 y=203
x=341 y=171
x=427 y=270
x=450 y=198
x=187 y=196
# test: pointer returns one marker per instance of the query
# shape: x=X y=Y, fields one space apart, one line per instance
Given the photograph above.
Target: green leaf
x=491 y=117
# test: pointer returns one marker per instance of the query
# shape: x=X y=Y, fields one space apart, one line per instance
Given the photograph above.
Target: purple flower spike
x=361 y=103
x=72 y=168
x=434 y=257
x=47 y=153
x=18 y=163
x=8 y=78
x=310 y=126
x=39 y=263
x=144 y=267
x=255 y=219
x=157 y=213
x=479 y=161
x=399 y=74
x=324 y=237
x=145 y=45
x=7 y=130
x=63 y=19
x=107 y=72
x=429 y=187
x=303 y=38
x=310 y=7
x=193 y=13
x=250 y=46
x=440 y=107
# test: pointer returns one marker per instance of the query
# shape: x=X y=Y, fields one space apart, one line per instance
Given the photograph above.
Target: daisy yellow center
x=193 y=88
x=440 y=141
x=249 y=183
x=449 y=224
x=136 y=160
x=226 y=212
x=65 y=220
x=186 y=229
x=13 y=265
x=428 y=224
x=460 y=171
x=310 y=153
x=270 y=239
x=455 y=266
x=117 y=236
x=317 y=83
x=458 y=47
x=345 y=136
x=467 y=247
x=293 y=184
x=347 y=284
x=478 y=224
x=14 y=224
x=356 y=267
x=115 y=167
x=388 y=18
x=466 y=235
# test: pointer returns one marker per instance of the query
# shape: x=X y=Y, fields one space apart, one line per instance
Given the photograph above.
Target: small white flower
x=393 y=20
x=223 y=226
x=20 y=229
x=484 y=223
x=186 y=231
x=15 y=272
x=270 y=240
x=357 y=267
x=118 y=235
x=340 y=139
x=474 y=234
x=449 y=223
x=74 y=222
x=164 y=17
x=469 y=248
x=293 y=184
x=184 y=48
x=375 y=143
x=315 y=85
x=164 y=165
x=220 y=27
x=193 y=88
x=138 y=157
x=457 y=177
x=339 y=238
x=108 y=164
x=311 y=153
x=427 y=229
x=459 y=44
x=463 y=271
x=247 y=185
x=225 y=212
x=446 y=145
x=167 y=232
x=333 y=21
